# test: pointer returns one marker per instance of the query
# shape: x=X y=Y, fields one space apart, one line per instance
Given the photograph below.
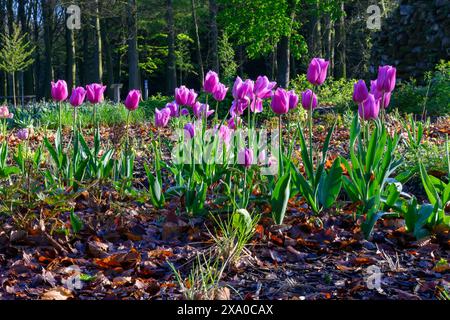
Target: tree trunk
x=71 y=67
x=108 y=57
x=10 y=12
x=37 y=60
x=133 y=56
x=48 y=8
x=283 y=62
x=171 y=59
x=214 y=36
x=330 y=44
x=284 y=52
x=318 y=51
x=98 y=61
x=3 y=75
x=197 y=42
x=86 y=61
x=341 y=44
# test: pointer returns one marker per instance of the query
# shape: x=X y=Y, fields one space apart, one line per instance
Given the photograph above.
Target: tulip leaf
x=280 y=197
x=330 y=185
x=75 y=222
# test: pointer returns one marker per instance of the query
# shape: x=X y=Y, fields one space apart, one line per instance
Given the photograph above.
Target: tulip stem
x=280 y=143
x=60 y=119
x=311 y=149
x=127 y=142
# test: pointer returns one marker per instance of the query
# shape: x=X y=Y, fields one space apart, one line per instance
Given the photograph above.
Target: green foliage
x=372 y=162
x=433 y=98
x=16 y=53
x=228 y=65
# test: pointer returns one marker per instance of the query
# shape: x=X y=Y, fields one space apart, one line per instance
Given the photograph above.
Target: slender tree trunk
x=108 y=57
x=341 y=44
x=85 y=66
x=284 y=52
x=98 y=60
x=71 y=67
x=37 y=60
x=133 y=56
x=171 y=59
x=10 y=16
x=48 y=8
x=318 y=50
x=214 y=36
x=330 y=44
x=197 y=42
x=3 y=76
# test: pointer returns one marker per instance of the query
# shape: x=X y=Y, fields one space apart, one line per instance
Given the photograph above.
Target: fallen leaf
x=58 y=293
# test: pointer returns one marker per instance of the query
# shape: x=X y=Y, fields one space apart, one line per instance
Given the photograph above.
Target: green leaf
x=280 y=197
x=75 y=222
x=330 y=185
x=242 y=221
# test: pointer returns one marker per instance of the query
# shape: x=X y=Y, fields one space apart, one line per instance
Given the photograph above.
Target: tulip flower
x=162 y=117
x=317 y=71
x=181 y=95
x=77 y=97
x=201 y=110
x=211 y=82
x=95 y=93
x=245 y=158
x=59 y=91
x=225 y=134
x=360 y=92
x=189 y=130
x=246 y=90
x=309 y=99
x=257 y=105
x=386 y=78
x=174 y=110
x=263 y=87
x=293 y=100
x=238 y=107
x=236 y=87
x=23 y=134
x=220 y=92
x=132 y=100
x=280 y=101
x=370 y=108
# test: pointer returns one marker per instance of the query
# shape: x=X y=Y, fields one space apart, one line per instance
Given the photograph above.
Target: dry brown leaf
x=58 y=293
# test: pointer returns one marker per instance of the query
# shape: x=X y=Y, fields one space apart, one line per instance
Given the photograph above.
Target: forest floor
x=124 y=249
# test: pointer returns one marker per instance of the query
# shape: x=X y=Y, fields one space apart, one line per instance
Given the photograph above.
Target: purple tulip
x=23 y=134
x=77 y=97
x=181 y=95
x=192 y=97
x=293 y=100
x=236 y=87
x=202 y=110
x=184 y=112
x=386 y=101
x=263 y=87
x=317 y=71
x=189 y=130
x=386 y=78
x=95 y=93
x=370 y=108
x=162 y=117
x=360 y=92
x=59 y=91
x=220 y=92
x=238 y=107
x=174 y=110
x=257 y=105
x=245 y=91
x=211 y=82
x=280 y=101
x=245 y=157
x=309 y=99
x=132 y=100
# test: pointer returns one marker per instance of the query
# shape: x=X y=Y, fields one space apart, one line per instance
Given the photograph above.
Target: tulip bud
x=211 y=82
x=293 y=99
x=387 y=76
x=4 y=113
x=23 y=134
x=360 y=92
x=132 y=100
x=95 y=93
x=370 y=108
x=263 y=87
x=280 y=101
x=245 y=157
x=309 y=100
x=174 y=110
x=77 y=97
x=189 y=130
x=59 y=91
x=220 y=92
x=317 y=71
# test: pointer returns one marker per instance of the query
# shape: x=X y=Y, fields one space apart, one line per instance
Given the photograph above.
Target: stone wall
x=414 y=37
